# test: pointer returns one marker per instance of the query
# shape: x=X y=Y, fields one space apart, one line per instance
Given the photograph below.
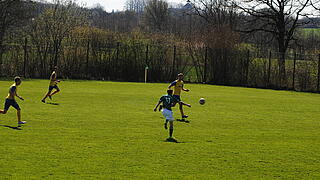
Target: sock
x=171 y=132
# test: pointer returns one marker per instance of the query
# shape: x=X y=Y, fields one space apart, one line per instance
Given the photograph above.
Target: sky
x=110 y=5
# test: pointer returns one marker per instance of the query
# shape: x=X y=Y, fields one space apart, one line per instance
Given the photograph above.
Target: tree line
x=219 y=42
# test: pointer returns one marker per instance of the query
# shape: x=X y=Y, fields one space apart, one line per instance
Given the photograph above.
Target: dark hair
x=170 y=91
x=17 y=79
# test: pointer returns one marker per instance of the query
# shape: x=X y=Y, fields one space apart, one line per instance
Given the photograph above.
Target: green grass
x=107 y=130
x=309 y=31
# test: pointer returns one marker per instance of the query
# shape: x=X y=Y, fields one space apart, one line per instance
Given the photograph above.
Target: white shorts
x=167 y=114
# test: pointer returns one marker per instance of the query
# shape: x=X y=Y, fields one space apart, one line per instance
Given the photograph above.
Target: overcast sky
x=110 y=5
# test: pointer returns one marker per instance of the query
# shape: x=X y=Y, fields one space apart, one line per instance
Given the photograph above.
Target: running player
x=167 y=102
x=178 y=87
x=52 y=85
x=10 y=100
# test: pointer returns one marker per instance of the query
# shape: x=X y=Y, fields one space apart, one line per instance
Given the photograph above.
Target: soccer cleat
x=165 y=126
x=22 y=122
x=171 y=139
x=160 y=107
x=43 y=101
x=185 y=116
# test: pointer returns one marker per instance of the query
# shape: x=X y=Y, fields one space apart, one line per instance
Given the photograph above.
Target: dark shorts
x=11 y=102
x=177 y=97
x=53 y=87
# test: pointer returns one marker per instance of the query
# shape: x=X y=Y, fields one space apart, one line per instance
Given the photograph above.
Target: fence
x=127 y=62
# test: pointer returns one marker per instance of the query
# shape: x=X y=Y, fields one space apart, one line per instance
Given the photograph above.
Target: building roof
x=188 y=5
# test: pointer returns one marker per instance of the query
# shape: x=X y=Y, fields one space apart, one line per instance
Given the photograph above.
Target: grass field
x=308 y=31
x=107 y=130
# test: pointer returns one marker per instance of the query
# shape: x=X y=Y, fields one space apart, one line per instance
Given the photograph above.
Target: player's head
x=170 y=91
x=55 y=68
x=180 y=76
x=17 y=80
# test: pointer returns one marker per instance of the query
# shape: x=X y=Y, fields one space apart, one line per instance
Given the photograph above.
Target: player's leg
x=170 y=119
x=19 y=117
x=16 y=106
x=181 y=111
x=3 y=111
x=56 y=91
x=166 y=115
x=170 y=129
x=174 y=104
x=180 y=106
x=47 y=95
x=166 y=124
x=6 y=107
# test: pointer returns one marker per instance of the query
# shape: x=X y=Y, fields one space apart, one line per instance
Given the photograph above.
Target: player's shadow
x=173 y=141
x=55 y=104
x=183 y=120
x=12 y=127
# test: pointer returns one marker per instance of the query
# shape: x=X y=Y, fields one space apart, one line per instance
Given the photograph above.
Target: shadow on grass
x=56 y=104
x=12 y=127
x=183 y=120
x=172 y=140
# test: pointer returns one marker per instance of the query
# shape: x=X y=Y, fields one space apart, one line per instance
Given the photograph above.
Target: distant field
x=107 y=130
x=307 y=31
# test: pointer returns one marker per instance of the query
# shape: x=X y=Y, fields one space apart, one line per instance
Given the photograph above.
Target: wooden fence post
x=318 y=84
x=116 y=64
x=174 y=61
x=87 y=56
x=205 y=66
x=269 y=69
x=294 y=70
x=147 y=55
x=25 y=57
x=247 y=67
x=147 y=63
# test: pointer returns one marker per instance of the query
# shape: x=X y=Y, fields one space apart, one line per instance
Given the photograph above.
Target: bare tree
x=99 y=17
x=156 y=15
x=136 y=6
x=280 y=18
x=217 y=37
x=56 y=23
x=12 y=13
x=217 y=13
x=316 y=5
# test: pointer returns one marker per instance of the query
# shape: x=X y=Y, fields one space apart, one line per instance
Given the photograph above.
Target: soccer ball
x=202 y=101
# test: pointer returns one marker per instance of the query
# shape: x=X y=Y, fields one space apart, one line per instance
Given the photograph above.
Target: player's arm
x=160 y=101
x=14 y=91
x=172 y=84
x=155 y=109
x=53 y=76
x=183 y=89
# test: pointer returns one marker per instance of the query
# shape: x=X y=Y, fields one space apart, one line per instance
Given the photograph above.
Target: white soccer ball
x=202 y=101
